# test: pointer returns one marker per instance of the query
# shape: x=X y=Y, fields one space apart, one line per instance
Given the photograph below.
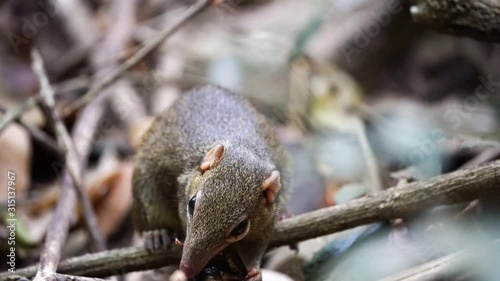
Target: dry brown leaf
x=97 y=184
x=96 y=191
x=45 y=201
x=15 y=157
x=116 y=205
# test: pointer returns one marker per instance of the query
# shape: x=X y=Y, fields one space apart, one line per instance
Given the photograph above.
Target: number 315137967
x=11 y=192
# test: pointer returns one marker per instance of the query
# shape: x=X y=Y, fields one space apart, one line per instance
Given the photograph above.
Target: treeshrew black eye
x=191 y=204
x=240 y=228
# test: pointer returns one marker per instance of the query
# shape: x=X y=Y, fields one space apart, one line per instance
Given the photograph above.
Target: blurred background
x=363 y=97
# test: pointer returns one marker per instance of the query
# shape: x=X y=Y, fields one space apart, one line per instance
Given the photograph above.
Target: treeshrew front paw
x=254 y=275
x=158 y=239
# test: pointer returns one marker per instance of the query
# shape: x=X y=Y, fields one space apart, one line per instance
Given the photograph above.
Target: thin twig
x=444 y=268
x=12 y=115
x=150 y=46
x=73 y=162
x=63 y=277
x=457 y=187
x=473 y=142
x=73 y=84
x=433 y=270
x=39 y=136
x=371 y=163
x=483 y=157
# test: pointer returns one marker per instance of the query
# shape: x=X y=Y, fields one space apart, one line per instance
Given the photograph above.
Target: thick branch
x=457 y=187
x=108 y=263
x=478 y=19
x=460 y=186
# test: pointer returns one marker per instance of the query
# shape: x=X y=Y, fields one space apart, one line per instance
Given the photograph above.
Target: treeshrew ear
x=212 y=157
x=271 y=187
